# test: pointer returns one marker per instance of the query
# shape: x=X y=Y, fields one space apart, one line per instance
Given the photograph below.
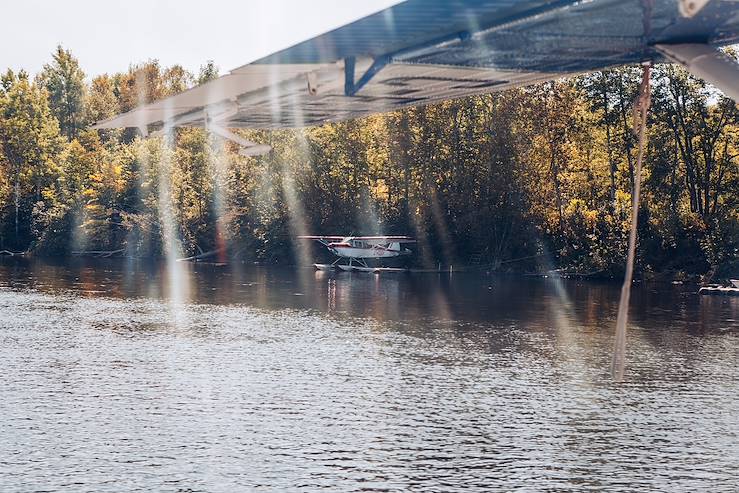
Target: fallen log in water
x=12 y=254
x=201 y=256
x=719 y=290
x=99 y=253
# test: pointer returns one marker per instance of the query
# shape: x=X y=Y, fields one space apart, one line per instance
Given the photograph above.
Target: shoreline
x=674 y=277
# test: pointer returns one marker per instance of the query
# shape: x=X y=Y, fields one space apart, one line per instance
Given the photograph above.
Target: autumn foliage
x=524 y=179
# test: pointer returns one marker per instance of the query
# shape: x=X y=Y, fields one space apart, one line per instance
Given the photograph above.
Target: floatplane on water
x=358 y=249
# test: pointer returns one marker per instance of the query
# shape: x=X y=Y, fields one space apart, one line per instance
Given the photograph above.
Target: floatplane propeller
x=357 y=249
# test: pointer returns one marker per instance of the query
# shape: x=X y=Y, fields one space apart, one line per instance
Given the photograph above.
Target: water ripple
x=114 y=394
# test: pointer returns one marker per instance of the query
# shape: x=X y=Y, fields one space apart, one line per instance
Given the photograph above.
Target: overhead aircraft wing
x=422 y=51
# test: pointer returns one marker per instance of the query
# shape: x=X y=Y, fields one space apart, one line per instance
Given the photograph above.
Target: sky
x=109 y=35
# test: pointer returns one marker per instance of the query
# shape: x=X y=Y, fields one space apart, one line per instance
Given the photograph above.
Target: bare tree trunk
x=723 y=164
x=557 y=186
x=406 y=165
x=609 y=149
x=17 y=202
x=623 y=103
x=673 y=177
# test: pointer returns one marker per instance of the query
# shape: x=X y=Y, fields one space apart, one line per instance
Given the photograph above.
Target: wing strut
x=352 y=86
x=708 y=63
x=248 y=148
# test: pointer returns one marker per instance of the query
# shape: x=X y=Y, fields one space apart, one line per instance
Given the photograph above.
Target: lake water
x=119 y=376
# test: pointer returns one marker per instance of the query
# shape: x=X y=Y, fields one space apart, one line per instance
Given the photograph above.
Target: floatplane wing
x=370 y=240
x=384 y=240
x=321 y=238
x=422 y=51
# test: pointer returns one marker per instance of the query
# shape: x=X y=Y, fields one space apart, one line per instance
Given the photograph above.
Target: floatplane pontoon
x=356 y=250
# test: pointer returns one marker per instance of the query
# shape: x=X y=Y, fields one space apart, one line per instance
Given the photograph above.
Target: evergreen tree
x=65 y=82
x=209 y=71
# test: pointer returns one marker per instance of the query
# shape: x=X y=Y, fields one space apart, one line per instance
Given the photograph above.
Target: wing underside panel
x=422 y=51
x=288 y=102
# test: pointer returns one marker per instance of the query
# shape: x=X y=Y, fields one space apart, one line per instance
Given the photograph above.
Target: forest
x=524 y=180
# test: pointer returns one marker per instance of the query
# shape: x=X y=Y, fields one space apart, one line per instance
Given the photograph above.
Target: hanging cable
x=641 y=109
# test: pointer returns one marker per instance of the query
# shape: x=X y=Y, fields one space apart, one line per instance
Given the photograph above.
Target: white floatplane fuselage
x=357 y=249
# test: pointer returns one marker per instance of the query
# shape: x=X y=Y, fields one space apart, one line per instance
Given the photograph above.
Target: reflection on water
x=274 y=380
